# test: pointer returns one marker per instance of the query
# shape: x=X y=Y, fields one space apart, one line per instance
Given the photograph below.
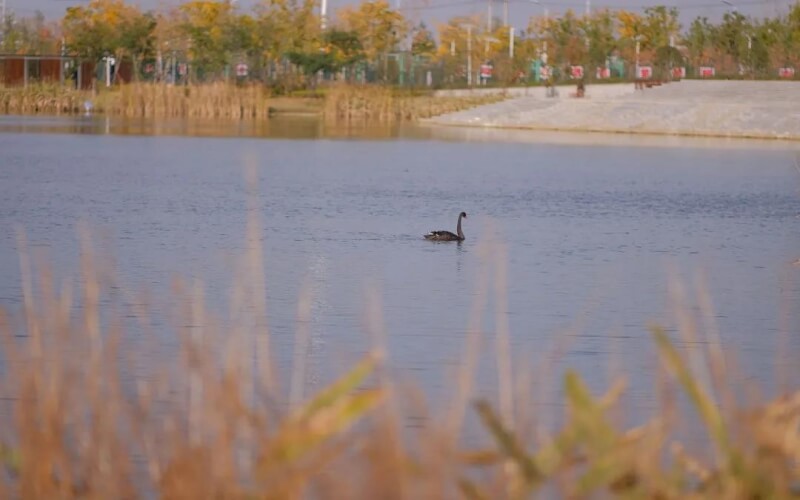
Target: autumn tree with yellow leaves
x=276 y=37
x=109 y=27
x=207 y=26
x=286 y=26
x=380 y=27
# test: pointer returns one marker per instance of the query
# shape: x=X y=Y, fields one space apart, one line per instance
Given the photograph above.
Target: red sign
x=786 y=72
x=602 y=73
x=576 y=71
x=241 y=69
x=486 y=71
x=644 y=72
x=707 y=71
x=544 y=72
x=679 y=72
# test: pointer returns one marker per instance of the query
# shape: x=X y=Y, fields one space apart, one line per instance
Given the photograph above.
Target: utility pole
x=469 y=55
x=511 y=42
x=546 y=25
x=323 y=12
x=3 y=20
x=489 y=18
x=505 y=12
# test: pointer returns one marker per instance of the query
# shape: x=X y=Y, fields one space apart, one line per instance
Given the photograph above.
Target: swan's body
x=447 y=235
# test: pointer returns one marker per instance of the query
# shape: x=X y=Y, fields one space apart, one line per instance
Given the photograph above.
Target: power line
x=595 y=6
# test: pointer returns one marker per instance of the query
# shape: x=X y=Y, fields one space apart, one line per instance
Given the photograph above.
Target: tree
x=699 y=41
x=453 y=52
x=86 y=33
x=342 y=49
x=568 y=38
x=381 y=28
x=205 y=23
x=345 y=47
x=731 y=36
x=599 y=32
x=136 y=39
x=422 y=41
x=28 y=35
x=287 y=26
x=666 y=58
x=791 y=38
x=660 y=26
x=631 y=25
x=109 y=27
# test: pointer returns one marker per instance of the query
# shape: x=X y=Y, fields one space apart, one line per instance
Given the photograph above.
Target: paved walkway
x=690 y=107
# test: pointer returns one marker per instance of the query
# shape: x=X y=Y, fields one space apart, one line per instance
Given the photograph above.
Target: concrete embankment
x=745 y=109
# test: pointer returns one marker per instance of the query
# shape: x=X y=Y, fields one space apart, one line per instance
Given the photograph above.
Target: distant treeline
x=288 y=43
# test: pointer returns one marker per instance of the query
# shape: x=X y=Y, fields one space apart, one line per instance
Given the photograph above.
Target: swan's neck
x=458 y=228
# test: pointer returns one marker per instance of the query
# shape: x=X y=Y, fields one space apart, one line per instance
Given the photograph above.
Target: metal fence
x=398 y=69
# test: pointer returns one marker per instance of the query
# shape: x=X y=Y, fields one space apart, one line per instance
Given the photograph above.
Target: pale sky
x=435 y=11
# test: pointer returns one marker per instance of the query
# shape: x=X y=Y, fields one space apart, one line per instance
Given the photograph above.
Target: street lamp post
x=546 y=23
x=3 y=20
x=469 y=53
x=749 y=53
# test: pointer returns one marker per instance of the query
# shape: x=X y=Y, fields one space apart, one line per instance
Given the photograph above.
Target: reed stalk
x=78 y=421
x=340 y=103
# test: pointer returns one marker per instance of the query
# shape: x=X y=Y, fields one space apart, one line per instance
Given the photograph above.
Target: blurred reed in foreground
x=215 y=424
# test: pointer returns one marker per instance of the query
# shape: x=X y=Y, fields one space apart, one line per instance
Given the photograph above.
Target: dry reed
x=232 y=102
x=377 y=103
x=47 y=99
x=215 y=100
x=211 y=424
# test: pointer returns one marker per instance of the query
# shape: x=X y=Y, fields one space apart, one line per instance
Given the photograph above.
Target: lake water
x=594 y=227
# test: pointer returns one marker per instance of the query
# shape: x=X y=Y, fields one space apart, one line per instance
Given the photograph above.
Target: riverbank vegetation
x=287 y=44
x=238 y=102
x=200 y=410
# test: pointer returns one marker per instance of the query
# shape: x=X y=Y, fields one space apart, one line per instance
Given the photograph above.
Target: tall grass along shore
x=78 y=421
x=229 y=101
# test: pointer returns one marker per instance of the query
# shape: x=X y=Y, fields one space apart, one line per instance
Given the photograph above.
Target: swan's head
x=463 y=214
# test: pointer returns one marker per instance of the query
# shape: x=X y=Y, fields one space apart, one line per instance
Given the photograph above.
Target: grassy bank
x=208 y=423
x=234 y=102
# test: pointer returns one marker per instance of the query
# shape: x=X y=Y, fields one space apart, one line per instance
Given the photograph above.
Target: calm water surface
x=594 y=227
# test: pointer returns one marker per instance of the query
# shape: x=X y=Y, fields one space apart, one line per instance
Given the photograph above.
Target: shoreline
x=719 y=109
x=611 y=131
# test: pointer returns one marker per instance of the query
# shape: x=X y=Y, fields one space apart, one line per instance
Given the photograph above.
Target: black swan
x=447 y=235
